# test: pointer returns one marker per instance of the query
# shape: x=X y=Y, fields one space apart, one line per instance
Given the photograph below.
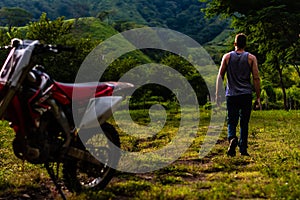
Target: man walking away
x=238 y=65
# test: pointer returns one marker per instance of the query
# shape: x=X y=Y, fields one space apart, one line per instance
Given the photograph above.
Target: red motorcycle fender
x=15 y=115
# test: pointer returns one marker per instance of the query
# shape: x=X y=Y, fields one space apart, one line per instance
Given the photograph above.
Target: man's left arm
x=220 y=77
x=256 y=79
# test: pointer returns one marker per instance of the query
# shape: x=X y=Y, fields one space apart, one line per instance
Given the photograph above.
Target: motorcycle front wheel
x=80 y=174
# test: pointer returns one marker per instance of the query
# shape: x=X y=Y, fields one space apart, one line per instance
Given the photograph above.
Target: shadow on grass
x=9 y=191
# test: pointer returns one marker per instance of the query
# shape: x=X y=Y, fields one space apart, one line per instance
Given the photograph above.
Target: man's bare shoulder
x=226 y=56
x=251 y=57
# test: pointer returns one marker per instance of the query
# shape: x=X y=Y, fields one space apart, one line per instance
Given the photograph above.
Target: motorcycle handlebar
x=6 y=47
x=41 y=48
x=54 y=48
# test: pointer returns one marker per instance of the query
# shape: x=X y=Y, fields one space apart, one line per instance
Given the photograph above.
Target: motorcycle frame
x=24 y=61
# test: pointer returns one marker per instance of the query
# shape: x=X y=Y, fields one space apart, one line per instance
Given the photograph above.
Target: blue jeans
x=239 y=108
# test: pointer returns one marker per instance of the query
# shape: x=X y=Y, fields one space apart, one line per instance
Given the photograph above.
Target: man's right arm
x=221 y=74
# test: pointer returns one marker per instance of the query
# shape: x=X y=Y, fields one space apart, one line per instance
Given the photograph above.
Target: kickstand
x=54 y=179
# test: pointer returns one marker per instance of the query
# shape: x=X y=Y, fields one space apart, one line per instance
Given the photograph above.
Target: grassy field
x=272 y=171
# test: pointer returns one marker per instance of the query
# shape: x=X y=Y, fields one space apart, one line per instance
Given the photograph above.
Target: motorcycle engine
x=43 y=144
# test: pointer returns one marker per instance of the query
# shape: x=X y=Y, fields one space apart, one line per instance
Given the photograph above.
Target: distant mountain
x=180 y=15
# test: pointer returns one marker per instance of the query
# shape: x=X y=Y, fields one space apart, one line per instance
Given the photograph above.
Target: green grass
x=272 y=171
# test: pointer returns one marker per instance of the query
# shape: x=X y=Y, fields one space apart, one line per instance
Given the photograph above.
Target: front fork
x=62 y=120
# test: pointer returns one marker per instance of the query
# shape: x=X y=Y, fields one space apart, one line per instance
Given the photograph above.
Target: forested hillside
x=180 y=15
x=272 y=27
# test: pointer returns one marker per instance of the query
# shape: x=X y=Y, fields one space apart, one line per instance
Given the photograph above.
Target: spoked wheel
x=93 y=173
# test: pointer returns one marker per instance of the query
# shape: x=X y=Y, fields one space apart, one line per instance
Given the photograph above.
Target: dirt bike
x=39 y=111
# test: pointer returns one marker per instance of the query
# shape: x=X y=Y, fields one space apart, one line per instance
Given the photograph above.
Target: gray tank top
x=238 y=74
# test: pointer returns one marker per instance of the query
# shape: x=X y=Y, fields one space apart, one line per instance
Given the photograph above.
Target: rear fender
x=121 y=86
x=99 y=110
x=111 y=88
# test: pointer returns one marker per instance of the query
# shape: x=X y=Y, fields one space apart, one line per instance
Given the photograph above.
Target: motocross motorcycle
x=39 y=110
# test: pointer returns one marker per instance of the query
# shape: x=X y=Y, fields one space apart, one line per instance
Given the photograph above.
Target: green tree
x=5 y=36
x=293 y=94
x=190 y=73
x=5 y=39
x=103 y=15
x=63 y=66
x=48 y=31
x=14 y=17
x=272 y=26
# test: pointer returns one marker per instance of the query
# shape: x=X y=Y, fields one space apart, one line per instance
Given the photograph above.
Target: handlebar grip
x=65 y=48
x=40 y=48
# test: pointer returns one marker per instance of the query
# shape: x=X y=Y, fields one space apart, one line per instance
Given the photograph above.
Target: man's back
x=238 y=74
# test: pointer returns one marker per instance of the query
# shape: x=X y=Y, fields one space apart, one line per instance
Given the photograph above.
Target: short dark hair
x=241 y=40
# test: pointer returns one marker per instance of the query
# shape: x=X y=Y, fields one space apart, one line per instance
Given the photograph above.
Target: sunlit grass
x=272 y=171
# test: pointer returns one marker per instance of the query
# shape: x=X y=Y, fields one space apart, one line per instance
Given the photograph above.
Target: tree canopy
x=14 y=17
x=180 y=15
